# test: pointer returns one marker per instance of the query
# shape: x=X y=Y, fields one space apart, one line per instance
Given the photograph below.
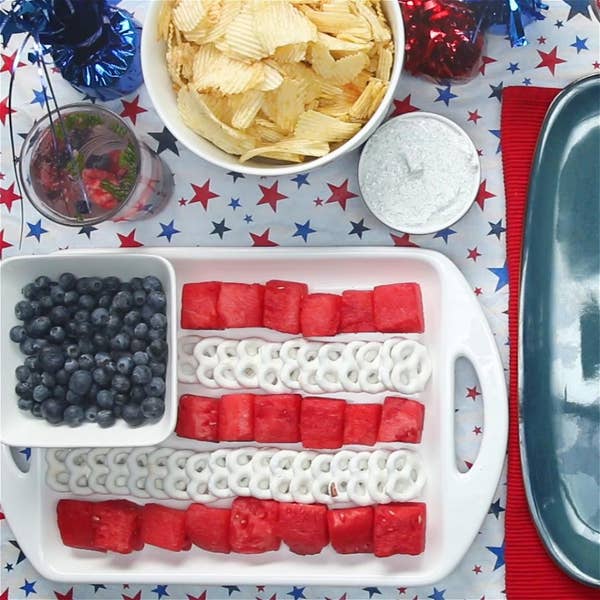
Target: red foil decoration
x=443 y=39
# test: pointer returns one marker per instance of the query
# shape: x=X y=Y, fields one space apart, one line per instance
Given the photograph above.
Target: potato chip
x=189 y=14
x=265 y=135
x=338 y=107
x=164 y=19
x=384 y=64
x=229 y=10
x=334 y=44
x=291 y=53
x=338 y=71
x=248 y=105
x=333 y=21
x=198 y=117
x=379 y=32
x=241 y=36
x=369 y=100
x=313 y=125
x=285 y=104
x=289 y=146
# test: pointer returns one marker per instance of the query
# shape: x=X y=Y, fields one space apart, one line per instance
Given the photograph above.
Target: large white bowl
x=158 y=83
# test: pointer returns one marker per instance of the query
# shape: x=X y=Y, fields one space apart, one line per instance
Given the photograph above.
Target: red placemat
x=531 y=573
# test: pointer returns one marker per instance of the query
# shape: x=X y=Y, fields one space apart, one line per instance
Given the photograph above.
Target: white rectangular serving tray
x=456 y=502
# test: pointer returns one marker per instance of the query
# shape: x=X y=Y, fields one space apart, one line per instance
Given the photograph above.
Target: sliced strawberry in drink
x=93 y=180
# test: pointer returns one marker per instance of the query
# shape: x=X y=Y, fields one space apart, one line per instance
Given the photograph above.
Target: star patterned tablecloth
x=211 y=207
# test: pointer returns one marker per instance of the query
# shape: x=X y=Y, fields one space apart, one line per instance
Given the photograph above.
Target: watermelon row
x=283 y=418
x=250 y=526
x=288 y=307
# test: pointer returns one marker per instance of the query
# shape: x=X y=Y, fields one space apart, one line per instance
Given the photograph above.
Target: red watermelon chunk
x=398 y=308
x=277 y=418
x=208 y=528
x=303 y=527
x=282 y=305
x=320 y=315
x=199 y=305
x=401 y=420
x=117 y=526
x=399 y=528
x=356 y=311
x=351 y=529
x=164 y=527
x=361 y=423
x=322 y=422
x=74 y=518
x=198 y=418
x=241 y=304
x=236 y=417
x=253 y=526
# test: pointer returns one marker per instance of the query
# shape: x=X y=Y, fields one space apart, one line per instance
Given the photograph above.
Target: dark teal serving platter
x=559 y=368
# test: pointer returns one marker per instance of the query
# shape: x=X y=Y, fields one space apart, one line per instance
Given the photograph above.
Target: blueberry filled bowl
x=88 y=345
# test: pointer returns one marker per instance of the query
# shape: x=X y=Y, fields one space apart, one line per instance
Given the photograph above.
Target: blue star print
x=558 y=24
x=580 y=44
x=497 y=91
x=21 y=556
x=496 y=509
x=8 y=567
x=28 y=587
x=437 y=594
x=248 y=219
x=527 y=81
x=496 y=132
x=160 y=591
x=372 y=591
x=444 y=234
x=166 y=141
x=231 y=588
x=39 y=97
x=445 y=95
x=502 y=274
x=512 y=67
x=301 y=179
x=98 y=586
x=235 y=203
x=168 y=230
x=304 y=231
x=87 y=230
x=498 y=551
x=36 y=230
x=578 y=7
x=358 y=228
x=220 y=228
x=235 y=175
x=496 y=228
x=297 y=592
x=26 y=452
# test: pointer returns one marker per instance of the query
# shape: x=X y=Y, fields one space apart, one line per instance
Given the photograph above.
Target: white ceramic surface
x=19 y=428
x=456 y=502
x=160 y=89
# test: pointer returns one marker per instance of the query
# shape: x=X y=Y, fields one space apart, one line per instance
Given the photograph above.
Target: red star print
x=129 y=241
x=182 y=202
x=550 y=59
x=342 y=597
x=596 y=65
x=402 y=590
x=132 y=109
x=4 y=110
x=4 y=595
x=202 y=194
x=474 y=116
x=477 y=569
x=271 y=196
x=67 y=596
x=202 y=596
x=138 y=596
x=468 y=465
x=401 y=107
x=483 y=194
x=1 y=513
x=479 y=152
x=473 y=253
x=403 y=240
x=340 y=194
x=478 y=291
x=485 y=61
x=472 y=393
x=318 y=202
x=8 y=62
x=260 y=588
x=541 y=40
x=262 y=240
x=8 y=196
x=477 y=430
x=3 y=245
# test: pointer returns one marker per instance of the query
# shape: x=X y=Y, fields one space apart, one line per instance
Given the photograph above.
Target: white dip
x=419 y=173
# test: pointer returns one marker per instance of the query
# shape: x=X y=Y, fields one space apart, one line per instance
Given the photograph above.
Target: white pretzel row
x=306 y=477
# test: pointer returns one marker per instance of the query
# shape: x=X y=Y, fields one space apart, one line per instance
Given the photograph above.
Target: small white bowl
x=18 y=427
x=160 y=89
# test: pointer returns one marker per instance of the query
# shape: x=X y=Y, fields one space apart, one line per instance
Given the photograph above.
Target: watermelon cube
x=198 y=418
x=117 y=526
x=253 y=526
x=199 y=305
x=241 y=304
x=208 y=528
x=361 y=423
x=351 y=529
x=303 y=527
x=164 y=527
x=356 y=311
x=282 y=305
x=401 y=420
x=74 y=518
x=236 y=417
x=277 y=418
x=399 y=528
x=320 y=315
x=398 y=308
x=322 y=422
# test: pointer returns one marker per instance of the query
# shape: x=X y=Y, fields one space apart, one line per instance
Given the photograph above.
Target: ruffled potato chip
x=313 y=125
x=189 y=14
x=242 y=38
x=288 y=146
x=339 y=71
x=291 y=53
x=285 y=104
x=385 y=61
x=369 y=100
x=245 y=107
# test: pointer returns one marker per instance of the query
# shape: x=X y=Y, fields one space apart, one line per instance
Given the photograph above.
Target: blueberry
x=100 y=342
x=137 y=345
x=136 y=283
x=140 y=331
x=95 y=285
x=62 y=377
x=86 y=346
x=132 y=414
x=91 y=413
x=125 y=365
x=81 y=316
x=57 y=335
x=120 y=383
x=101 y=377
x=111 y=368
x=105 y=399
x=24 y=389
x=102 y=359
x=152 y=407
x=34 y=379
x=137 y=393
x=152 y=283
x=71 y=329
x=42 y=282
x=71 y=365
x=111 y=284
x=48 y=379
x=157 y=349
x=94 y=389
x=147 y=312
x=114 y=323
x=158 y=321
x=33 y=363
x=86 y=362
x=156 y=334
x=24 y=310
x=156 y=387
x=121 y=398
x=85 y=329
x=141 y=375
x=46 y=303
x=99 y=317
x=52 y=410
x=139 y=297
x=52 y=359
x=141 y=358
x=67 y=281
x=39 y=344
x=40 y=393
x=87 y=302
x=83 y=285
x=74 y=415
x=59 y=392
x=105 y=301
x=59 y=315
x=105 y=418
x=40 y=326
x=120 y=342
x=71 y=298
x=157 y=300
x=117 y=410
x=30 y=291
x=37 y=308
x=158 y=369
x=80 y=382
x=132 y=318
x=27 y=346
x=57 y=294
x=127 y=330
x=22 y=373
x=36 y=410
x=73 y=398
x=123 y=301
x=25 y=403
